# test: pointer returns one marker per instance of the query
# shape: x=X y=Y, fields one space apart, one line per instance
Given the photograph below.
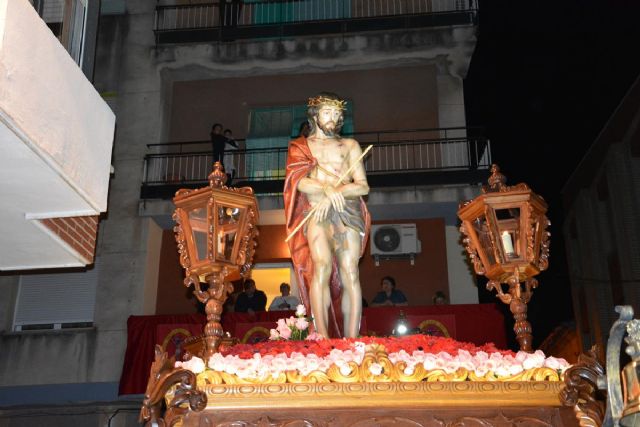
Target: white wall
x=47 y=100
x=462 y=284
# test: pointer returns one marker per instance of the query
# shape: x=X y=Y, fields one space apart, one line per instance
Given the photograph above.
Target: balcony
x=398 y=158
x=235 y=20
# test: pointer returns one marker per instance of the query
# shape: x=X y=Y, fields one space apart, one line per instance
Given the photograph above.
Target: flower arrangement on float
x=294 y=355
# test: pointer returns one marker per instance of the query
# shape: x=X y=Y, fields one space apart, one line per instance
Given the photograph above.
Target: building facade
x=169 y=71
x=600 y=230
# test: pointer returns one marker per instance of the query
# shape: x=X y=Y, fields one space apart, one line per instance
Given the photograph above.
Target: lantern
x=215 y=232
x=505 y=234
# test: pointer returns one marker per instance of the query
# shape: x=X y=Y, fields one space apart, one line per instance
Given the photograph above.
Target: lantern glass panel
x=509 y=231
x=198 y=222
x=228 y=223
x=481 y=228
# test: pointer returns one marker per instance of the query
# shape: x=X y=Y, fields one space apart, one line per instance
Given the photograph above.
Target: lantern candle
x=507 y=243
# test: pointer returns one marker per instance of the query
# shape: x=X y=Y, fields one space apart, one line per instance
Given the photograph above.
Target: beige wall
x=418 y=282
x=380 y=97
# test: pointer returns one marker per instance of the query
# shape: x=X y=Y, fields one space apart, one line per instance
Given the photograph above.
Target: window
x=270 y=129
x=67 y=20
x=56 y=301
x=263 y=12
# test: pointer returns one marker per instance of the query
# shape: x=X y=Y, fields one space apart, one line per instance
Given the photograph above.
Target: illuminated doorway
x=269 y=276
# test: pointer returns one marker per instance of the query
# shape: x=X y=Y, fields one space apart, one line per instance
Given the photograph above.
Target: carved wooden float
x=357 y=404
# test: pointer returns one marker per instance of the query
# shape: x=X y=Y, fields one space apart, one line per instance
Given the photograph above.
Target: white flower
x=195 y=365
x=533 y=360
x=345 y=369
x=556 y=363
x=375 y=368
x=409 y=370
x=300 y=310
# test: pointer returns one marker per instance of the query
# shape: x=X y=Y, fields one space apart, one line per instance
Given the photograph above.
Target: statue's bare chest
x=330 y=153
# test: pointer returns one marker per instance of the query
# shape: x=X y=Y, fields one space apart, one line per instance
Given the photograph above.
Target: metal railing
x=264 y=12
x=394 y=152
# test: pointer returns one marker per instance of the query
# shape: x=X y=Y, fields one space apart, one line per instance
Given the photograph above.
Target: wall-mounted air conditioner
x=394 y=241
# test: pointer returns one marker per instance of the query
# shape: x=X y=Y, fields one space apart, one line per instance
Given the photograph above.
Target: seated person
x=251 y=300
x=389 y=296
x=439 y=298
x=284 y=301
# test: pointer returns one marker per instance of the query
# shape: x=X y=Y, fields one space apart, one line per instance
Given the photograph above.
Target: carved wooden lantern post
x=505 y=234
x=215 y=231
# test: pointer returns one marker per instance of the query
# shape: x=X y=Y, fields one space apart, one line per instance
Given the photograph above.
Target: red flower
x=411 y=343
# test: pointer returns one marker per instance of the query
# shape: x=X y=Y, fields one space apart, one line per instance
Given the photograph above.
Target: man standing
x=326 y=250
x=218 y=142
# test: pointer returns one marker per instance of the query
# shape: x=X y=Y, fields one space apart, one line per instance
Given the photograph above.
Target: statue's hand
x=336 y=197
x=322 y=210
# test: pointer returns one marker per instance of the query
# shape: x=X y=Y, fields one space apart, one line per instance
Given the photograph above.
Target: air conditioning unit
x=394 y=241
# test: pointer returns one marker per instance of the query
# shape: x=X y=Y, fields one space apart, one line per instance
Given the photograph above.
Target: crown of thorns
x=317 y=101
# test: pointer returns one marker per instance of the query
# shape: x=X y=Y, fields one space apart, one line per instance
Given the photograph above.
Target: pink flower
x=313 y=336
x=301 y=323
x=273 y=334
x=285 y=333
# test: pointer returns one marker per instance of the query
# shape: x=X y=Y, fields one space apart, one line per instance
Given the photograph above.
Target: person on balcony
x=218 y=142
x=285 y=301
x=389 y=295
x=251 y=300
x=230 y=145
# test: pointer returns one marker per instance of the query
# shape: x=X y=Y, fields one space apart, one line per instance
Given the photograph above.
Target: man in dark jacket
x=251 y=300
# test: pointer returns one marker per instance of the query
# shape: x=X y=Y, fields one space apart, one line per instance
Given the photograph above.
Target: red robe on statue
x=300 y=163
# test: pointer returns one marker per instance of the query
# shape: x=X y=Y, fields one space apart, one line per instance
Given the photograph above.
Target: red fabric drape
x=141 y=341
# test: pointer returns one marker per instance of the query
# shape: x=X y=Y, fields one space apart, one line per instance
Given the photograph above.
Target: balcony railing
x=233 y=20
x=408 y=157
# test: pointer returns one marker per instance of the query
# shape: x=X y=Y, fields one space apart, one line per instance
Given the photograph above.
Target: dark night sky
x=543 y=81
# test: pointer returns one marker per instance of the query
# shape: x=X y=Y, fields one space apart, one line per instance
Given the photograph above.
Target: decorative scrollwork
x=248 y=243
x=497 y=182
x=471 y=251
x=581 y=389
x=185 y=262
x=163 y=376
x=545 y=242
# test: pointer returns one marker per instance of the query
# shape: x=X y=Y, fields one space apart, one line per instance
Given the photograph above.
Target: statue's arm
x=309 y=185
x=359 y=186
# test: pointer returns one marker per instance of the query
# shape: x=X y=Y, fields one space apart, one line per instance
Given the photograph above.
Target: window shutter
x=54 y=301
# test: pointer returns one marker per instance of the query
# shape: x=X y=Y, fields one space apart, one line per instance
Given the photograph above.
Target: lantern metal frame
x=505 y=235
x=217 y=202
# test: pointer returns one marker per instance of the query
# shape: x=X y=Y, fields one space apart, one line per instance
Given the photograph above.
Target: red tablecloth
x=476 y=323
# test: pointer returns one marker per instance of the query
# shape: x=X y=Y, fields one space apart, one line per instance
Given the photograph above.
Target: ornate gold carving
x=184 y=395
x=425 y=323
x=372 y=395
x=581 y=387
